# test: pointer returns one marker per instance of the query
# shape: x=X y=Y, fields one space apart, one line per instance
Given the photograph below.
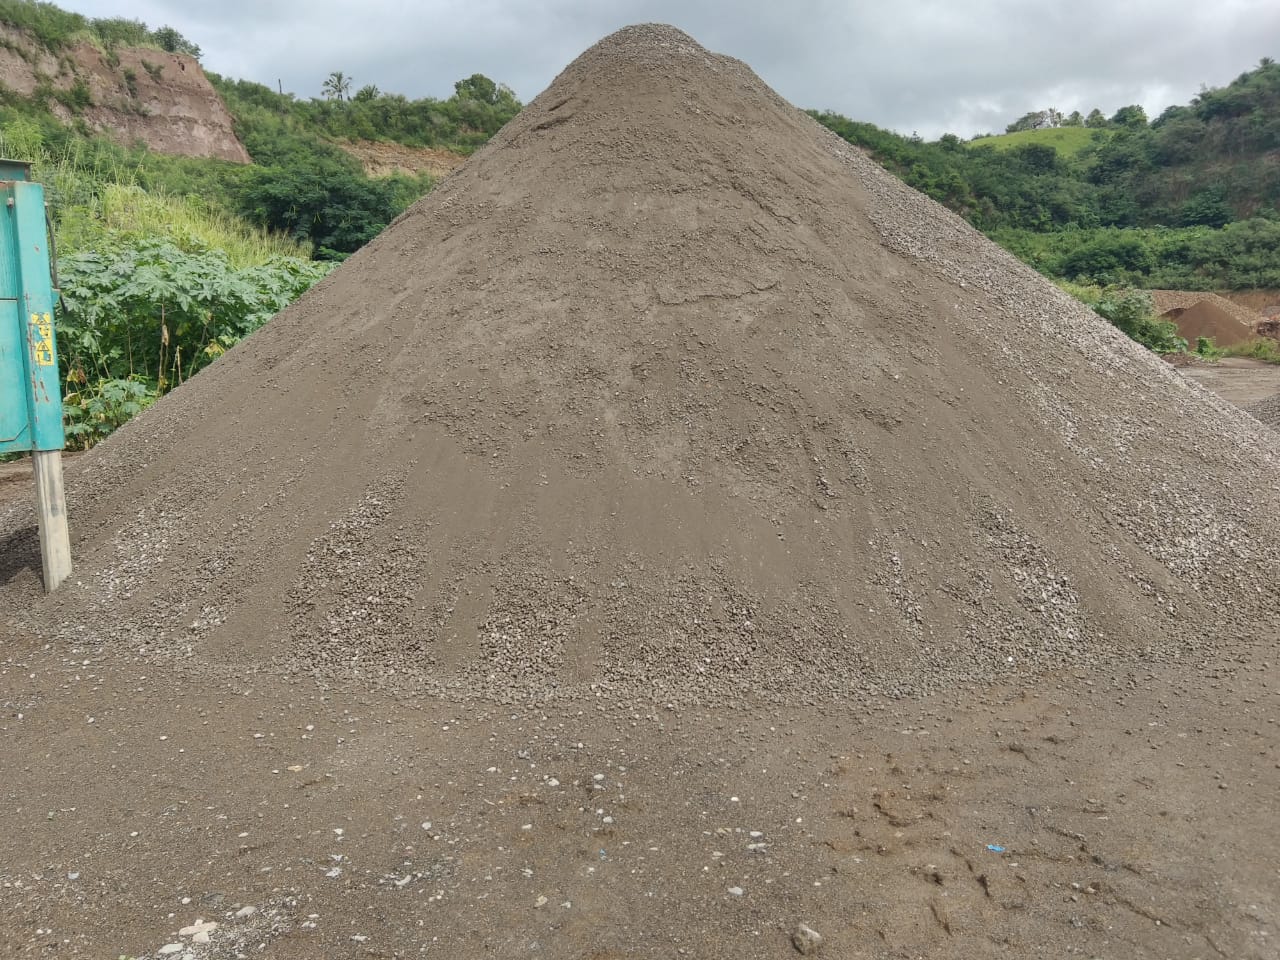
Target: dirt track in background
x=1240 y=380
x=565 y=577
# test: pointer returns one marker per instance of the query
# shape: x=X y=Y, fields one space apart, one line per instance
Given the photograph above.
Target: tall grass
x=101 y=199
x=128 y=211
x=1259 y=348
x=56 y=28
x=53 y=26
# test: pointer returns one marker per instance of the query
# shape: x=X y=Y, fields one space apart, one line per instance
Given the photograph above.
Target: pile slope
x=1267 y=411
x=670 y=392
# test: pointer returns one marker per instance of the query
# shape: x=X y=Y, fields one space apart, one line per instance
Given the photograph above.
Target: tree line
x=1189 y=199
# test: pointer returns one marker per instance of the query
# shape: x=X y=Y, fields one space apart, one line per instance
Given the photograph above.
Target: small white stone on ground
x=806 y=940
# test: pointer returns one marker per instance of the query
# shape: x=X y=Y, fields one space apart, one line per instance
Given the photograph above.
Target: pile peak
x=670 y=392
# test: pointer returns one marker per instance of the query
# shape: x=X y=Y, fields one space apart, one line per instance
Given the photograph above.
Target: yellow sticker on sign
x=42 y=340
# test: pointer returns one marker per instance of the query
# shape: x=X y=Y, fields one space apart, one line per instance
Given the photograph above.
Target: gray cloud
x=930 y=66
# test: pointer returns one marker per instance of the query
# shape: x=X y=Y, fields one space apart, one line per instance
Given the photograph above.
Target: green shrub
x=1260 y=348
x=93 y=411
x=121 y=31
x=150 y=310
x=1133 y=313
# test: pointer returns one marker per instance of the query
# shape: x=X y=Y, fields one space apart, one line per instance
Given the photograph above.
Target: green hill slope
x=1068 y=142
x=1191 y=199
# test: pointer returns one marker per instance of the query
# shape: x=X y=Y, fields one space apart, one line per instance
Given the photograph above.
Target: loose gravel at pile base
x=670 y=391
x=1268 y=411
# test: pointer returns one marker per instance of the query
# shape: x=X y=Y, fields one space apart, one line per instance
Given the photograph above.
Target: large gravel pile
x=668 y=391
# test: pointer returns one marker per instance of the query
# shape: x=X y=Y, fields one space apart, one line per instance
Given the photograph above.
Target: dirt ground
x=1242 y=381
x=1133 y=809
x=13 y=476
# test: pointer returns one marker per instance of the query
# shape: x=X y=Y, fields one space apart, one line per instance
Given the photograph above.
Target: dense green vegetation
x=305 y=185
x=1239 y=256
x=140 y=317
x=464 y=121
x=56 y=28
x=1190 y=199
x=1133 y=313
x=154 y=284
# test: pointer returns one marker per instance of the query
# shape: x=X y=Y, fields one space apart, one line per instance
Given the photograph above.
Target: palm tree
x=337 y=86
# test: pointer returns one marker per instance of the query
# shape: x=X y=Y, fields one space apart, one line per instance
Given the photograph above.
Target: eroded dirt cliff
x=163 y=100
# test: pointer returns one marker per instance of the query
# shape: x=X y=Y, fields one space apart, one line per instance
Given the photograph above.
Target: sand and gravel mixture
x=670 y=392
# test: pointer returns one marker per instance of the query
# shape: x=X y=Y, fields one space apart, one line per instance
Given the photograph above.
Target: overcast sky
x=929 y=66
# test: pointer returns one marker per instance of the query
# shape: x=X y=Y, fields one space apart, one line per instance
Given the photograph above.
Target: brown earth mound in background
x=1258 y=301
x=1168 y=300
x=670 y=392
x=1207 y=319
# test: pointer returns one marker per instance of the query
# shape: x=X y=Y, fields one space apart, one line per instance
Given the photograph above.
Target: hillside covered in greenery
x=1190 y=199
x=306 y=186
x=166 y=262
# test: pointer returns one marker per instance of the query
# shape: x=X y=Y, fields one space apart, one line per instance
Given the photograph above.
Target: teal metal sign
x=30 y=398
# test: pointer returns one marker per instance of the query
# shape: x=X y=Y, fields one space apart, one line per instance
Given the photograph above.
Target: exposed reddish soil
x=1256 y=301
x=381 y=159
x=162 y=99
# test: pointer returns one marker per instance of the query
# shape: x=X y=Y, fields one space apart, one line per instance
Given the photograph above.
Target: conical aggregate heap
x=670 y=392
